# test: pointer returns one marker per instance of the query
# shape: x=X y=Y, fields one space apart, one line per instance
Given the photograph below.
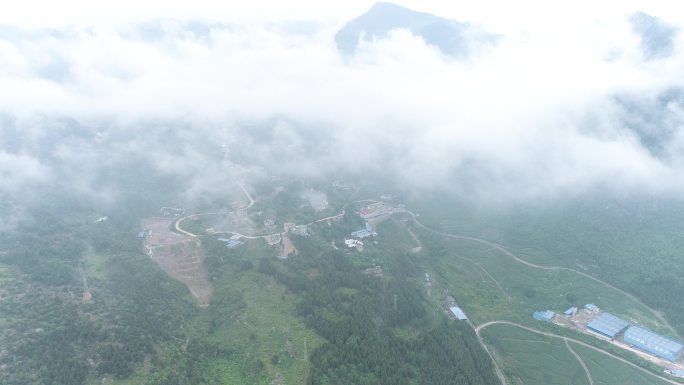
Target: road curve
x=580 y=360
x=251 y=200
x=500 y=248
x=479 y=328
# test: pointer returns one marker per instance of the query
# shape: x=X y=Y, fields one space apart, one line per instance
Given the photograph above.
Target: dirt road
x=502 y=249
x=479 y=328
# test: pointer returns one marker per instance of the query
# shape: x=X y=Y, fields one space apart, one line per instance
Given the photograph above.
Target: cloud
x=541 y=114
x=657 y=38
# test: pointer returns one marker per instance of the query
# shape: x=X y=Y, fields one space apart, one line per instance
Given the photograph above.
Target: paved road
x=180 y=220
x=479 y=328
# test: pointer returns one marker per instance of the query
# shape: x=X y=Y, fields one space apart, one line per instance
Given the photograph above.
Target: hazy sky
x=496 y=13
x=567 y=100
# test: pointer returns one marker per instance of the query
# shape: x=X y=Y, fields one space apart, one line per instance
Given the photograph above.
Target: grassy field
x=532 y=359
x=266 y=329
x=95 y=265
x=491 y=285
x=607 y=371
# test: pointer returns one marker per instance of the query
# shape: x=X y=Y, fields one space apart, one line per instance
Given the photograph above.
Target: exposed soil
x=179 y=255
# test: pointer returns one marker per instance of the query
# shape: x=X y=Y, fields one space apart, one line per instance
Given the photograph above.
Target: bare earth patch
x=178 y=255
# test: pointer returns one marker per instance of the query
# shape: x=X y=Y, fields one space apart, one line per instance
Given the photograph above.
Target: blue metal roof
x=653 y=343
x=607 y=324
x=571 y=311
x=544 y=315
x=592 y=307
x=457 y=312
x=363 y=233
x=233 y=243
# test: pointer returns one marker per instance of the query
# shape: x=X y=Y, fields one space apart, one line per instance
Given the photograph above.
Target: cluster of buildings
x=295 y=229
x=610 y=327
x=375 y=210
x=273 y=239
x=171 y=212
x=270 y=225
x=368 y=231
x=373 y=272
x=353 y=243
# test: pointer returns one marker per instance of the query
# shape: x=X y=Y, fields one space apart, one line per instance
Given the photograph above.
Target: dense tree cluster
x=358 y=315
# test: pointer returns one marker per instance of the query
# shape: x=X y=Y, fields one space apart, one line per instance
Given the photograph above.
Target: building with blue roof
x=543 y=315
x=592 y=307
x=653 y=343
x=368 y=231
x=571 y=311
x=458 y=313
x=231 y=243
x=607 y=325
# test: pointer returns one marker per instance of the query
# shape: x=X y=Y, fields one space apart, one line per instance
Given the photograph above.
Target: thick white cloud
x=535 y=115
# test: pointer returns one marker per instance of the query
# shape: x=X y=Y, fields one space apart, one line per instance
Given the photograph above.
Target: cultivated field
x=608 y=372
x=531 y=359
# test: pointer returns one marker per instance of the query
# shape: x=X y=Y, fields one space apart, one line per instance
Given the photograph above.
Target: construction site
x=649 y=345
x=178 y=255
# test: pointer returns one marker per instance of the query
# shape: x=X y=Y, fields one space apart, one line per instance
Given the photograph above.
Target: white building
x=351 y=243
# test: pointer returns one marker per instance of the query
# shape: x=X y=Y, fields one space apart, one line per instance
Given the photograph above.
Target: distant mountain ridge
x=452 y=37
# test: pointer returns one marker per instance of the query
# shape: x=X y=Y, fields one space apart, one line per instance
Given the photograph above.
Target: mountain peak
x=450 y=36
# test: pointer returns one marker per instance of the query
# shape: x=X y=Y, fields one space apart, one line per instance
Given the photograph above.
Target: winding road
x=503 y=250
x=177 y=224
x=580 y=360
x=500 y=248
x=567 y=340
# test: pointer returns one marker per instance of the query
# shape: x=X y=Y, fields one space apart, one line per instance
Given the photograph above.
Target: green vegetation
x=532 y=359
x=492 y=286
x=255 y=315
x=357 y=317
x=607 y=371
x=632 y=242
x=313 y=318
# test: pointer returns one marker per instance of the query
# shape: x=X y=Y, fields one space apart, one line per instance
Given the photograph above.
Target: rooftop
x=458 y=312
x=571 y=311
x=543 y=315
x=653 y=340
x=607 y=324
